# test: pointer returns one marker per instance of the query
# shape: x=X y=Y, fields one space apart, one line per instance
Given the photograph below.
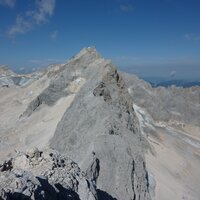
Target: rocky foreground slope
x=46 y=175
x=102 y=134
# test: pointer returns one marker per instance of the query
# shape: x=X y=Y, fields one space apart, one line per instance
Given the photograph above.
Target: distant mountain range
x=157 y=81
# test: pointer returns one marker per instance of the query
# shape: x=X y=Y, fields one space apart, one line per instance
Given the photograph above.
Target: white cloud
x=32 y=18
x=192 y=36
x=21 y=26
x=45 y=8
x=8 y=3
x=54 y=35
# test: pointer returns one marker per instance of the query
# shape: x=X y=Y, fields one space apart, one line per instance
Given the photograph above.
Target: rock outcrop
x=46 y=175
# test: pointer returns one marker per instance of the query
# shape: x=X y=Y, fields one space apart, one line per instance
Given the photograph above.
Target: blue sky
x=147 y=37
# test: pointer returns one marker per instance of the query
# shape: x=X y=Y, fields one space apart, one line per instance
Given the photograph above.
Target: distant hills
x=157 y=81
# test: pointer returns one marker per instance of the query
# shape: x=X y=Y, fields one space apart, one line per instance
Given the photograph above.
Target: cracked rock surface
x=46 y=175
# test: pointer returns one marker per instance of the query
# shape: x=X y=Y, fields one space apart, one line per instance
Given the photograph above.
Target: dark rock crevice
x=102 y=195
x=140 y=181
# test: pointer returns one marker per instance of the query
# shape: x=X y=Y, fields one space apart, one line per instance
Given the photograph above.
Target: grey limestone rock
x=39 y=175
x=101 y=119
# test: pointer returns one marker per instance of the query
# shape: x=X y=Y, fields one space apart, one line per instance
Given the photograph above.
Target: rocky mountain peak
x=102 y=120
x=99 y=127
x=88 y=51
